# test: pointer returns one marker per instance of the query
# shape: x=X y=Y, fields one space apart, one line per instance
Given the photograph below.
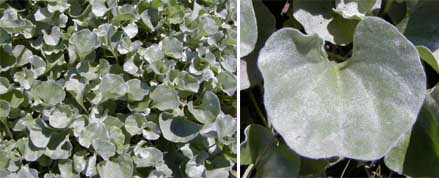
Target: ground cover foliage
x=339 y=88
x=117 y=88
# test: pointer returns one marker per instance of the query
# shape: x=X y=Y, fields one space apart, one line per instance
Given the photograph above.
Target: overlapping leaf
x=83 y=85
x=416 y=152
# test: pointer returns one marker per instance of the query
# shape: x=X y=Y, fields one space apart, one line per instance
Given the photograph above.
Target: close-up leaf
x=310 y=117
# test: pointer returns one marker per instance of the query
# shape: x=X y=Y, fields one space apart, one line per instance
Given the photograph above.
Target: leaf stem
x=367 y=171
x=248 y=171
x=258 y=110
x=115 y=56
x=345 y=168
x=8 y=132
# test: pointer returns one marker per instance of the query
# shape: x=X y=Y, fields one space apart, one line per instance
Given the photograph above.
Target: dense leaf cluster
x=117 y=88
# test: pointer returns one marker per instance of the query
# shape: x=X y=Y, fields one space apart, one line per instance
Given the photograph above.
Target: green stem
x=8 y=132
x=258 y=110
x=115 y=56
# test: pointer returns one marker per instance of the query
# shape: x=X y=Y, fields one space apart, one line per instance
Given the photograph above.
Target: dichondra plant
x=112 y=88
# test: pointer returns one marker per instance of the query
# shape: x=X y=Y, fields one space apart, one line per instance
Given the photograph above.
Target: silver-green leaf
x=322 y=108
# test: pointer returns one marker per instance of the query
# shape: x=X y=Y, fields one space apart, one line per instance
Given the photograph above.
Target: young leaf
x=355 y=9
x=317 y=18
x=429 y=57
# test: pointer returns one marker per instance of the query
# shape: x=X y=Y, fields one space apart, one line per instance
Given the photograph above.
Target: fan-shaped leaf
x=342 y=109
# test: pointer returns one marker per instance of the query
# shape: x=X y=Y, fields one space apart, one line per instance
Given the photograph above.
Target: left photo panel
x=118 y=88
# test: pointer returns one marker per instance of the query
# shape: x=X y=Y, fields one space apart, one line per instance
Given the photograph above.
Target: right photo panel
x=339 y=88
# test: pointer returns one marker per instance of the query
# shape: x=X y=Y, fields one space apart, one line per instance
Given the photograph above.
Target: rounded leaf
x=136 y=89
x=208 y=110
x=134 y=124
x=122 y=166
x=84 y=42
x=177 y=129
x=164 y=98
x=324 y=109
x=39 y=134
x=104 y=148
x=60 y=116
x=152 y=53
x=49 y=92
x=172 y=47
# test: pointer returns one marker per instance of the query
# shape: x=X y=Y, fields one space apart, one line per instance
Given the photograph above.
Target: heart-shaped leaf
x=136 y=89
x=322 y=108
x=53 y=38
x=134 y=124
